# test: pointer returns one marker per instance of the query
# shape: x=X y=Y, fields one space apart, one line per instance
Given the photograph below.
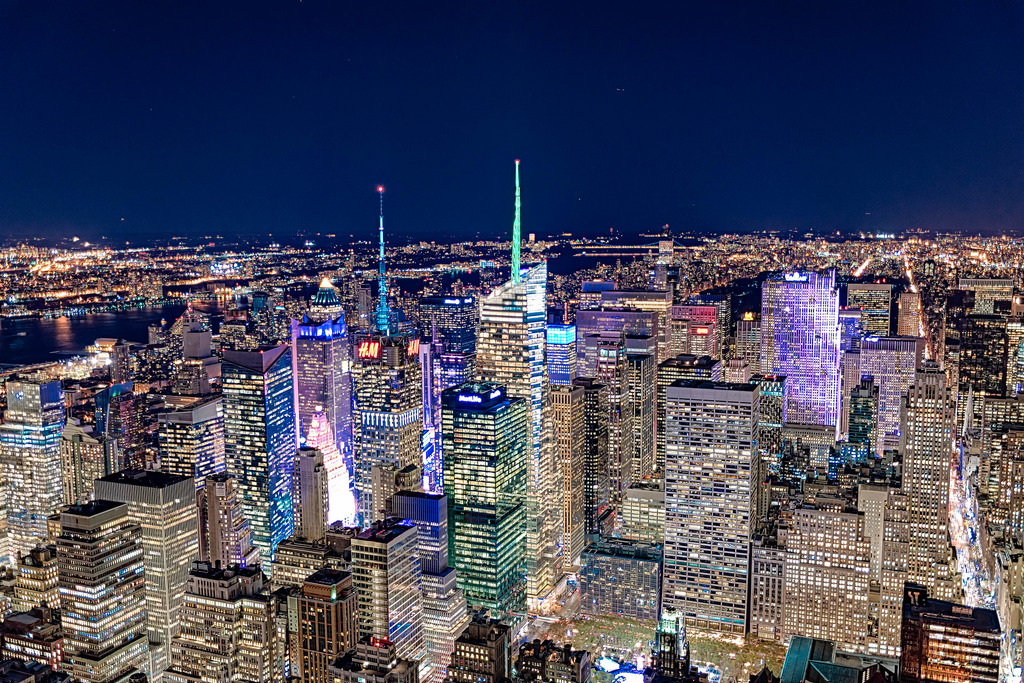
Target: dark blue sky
x=277 y=117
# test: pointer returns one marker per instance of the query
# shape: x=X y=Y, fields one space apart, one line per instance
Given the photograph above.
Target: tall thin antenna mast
x=516 y=234
x=383 y=312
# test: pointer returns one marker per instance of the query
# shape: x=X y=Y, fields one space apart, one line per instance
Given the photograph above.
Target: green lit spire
x=516 y=234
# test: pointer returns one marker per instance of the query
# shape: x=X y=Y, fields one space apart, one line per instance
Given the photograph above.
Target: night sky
x=164 y=118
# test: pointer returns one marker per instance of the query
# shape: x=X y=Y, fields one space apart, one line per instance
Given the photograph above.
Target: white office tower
x=926 y=440
x=510 y=352
x=711 y=453
x=800 y=341
x=310 y=494
x=892 y=363
x=164 y=507
x=30 y=459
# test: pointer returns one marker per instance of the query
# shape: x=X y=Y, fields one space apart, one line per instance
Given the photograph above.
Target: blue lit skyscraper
x=322 y=367
x=561 y=344
x=800 y=339
x=259 y=440
x=30 y=459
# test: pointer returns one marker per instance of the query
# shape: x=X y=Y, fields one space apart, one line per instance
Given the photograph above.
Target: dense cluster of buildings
x=356 y=486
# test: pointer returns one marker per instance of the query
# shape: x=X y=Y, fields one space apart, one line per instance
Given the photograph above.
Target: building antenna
x=516 y=234
x=383 y=313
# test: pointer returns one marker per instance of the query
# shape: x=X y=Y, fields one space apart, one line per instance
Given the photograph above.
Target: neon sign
x=795 y=277
x=701 y=331
x=413 y=348
x=470 y=398
x=369 y=349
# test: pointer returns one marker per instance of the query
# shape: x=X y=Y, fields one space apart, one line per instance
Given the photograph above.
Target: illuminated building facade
x=943 y=641
x=596 y=480
x=36 y=579
x=561 y=353
x=748 y=341
x=642 y=390
x=609 y=319
x=875 y=301
x=100 y=565
x=862 y=441
x=510 y=353
x=568 y=415
x=485 y=465
x=926 y=441
x=986 y=293
x=387 y=414
x=621 y=579
x=828 y=561
x=908 y=321
x=657 y=302
x=325 y=614
x=386 y=576
x=611 y=367
x=445 y=614
x=450 y=320
x=892 y=362
x=229 y=624
x=322 y=367
x=163 y=506
x=192 y=440
x=800 y=339
x=84 y=458
x=30 y=459
x=710 y=481
x=642 y=513
x=259 y=440
x=683 y=366
x=224 y=532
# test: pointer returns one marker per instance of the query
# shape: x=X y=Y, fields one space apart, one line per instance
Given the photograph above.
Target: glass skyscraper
x=323 y=381
x=800 y=339
x=485 y=469
x=561 y=348
x=30 y=459
x=259 y=440
x=510 y=353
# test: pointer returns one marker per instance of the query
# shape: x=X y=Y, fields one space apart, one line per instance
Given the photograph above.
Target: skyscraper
x=875 y=301
x=748 y=341
x=485 y=465
x=30 y=458
x=84 y=458
x=926 y=440
x=863 y=420
x=326 y=617
x=224 y=532
x=710 y=480
x=568 y=413
x=611 y=367
x=657 y=302
x=103 y=585
x=163 y=506
x=229 y=628
x=321 y=364
x=386 y=576
x=450 y=320
x=986 y=293
x=943 y=641
x=483 y=653
x=310 y=494
x=891 y=362
x=683 y=366
x=596 y=484
x=444 y=605
x=259 y=440
x=387 y=413
x=561 y=353
x=643 y=394
x=192 y=440
x=341 y=497
x=510 y=353
x=909 y=322
x=800 y=339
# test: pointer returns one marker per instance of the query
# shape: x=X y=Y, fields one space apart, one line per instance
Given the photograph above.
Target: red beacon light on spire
x=380 y=188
